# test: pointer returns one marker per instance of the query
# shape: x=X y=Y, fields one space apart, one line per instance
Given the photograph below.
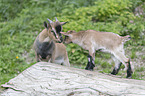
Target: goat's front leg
x=91 y=56
x=87 y=67
x=126 y=61
x=90 y=64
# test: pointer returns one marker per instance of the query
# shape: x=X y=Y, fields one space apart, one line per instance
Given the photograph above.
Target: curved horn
x=49 y=20
x=56 y=19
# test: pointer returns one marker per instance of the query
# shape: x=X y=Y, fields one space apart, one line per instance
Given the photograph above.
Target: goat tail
x=126 y=38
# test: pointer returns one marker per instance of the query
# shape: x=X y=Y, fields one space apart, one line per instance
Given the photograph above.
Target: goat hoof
x=86 y=69
x=129 y=73
x=128 y=77
x=114 y=72
x=91 y=68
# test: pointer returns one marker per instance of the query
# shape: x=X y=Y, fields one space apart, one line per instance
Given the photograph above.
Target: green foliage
x=22 y=20
x=133 y=55
x=76 y=54
x=105 y=65
x=137 y=75
x=141 y=69
x=10 y=8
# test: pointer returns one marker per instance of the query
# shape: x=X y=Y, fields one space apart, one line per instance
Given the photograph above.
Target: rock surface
x=47 y=79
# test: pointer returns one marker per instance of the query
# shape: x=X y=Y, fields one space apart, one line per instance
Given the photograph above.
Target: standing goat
x=92 y=40
x=47 y=49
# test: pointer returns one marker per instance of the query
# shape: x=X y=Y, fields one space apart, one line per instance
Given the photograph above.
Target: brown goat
x=92 y=40
x=47 y=49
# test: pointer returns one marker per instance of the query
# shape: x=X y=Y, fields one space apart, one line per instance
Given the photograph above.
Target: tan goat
x=46 y=48
x=92 y=40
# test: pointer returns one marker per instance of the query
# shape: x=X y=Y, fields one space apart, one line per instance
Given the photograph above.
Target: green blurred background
x=22 y=20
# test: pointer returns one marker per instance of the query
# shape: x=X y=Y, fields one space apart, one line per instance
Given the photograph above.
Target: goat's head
x=68 y=36
x=57 y=28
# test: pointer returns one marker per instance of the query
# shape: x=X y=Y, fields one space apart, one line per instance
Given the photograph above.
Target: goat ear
x=66 y=34
x=45 y=24
x=63 y=23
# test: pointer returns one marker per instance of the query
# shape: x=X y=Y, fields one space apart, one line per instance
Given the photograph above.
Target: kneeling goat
x=92 y=40
x=46 y=48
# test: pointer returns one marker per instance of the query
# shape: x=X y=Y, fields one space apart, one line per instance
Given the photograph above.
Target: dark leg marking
x=90 y=64
x=129 y=70
x=115 y=71
x=87 y=65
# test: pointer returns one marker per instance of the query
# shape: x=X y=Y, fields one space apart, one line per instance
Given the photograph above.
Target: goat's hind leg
x=126 y=61
x=117 y=66
x=129 y=70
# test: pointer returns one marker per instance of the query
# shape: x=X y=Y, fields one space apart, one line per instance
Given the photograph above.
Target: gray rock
x=47 y=79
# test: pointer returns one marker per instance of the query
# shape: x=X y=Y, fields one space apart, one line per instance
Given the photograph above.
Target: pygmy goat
x=92 y=40
x=46 y=48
